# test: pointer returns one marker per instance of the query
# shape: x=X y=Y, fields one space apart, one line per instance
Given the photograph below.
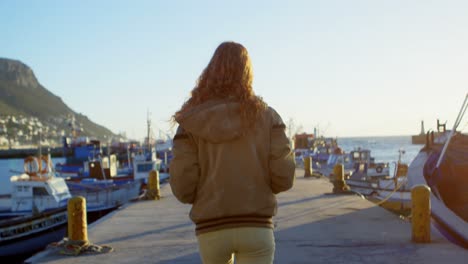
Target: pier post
x=307 y=166
x=153 y=191
x=77 y=221
x=338 y=180
x=421 y=214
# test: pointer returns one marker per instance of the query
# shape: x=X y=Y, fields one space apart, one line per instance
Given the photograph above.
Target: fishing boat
x=442 y=164
x=122 y=163
x=35 y=190
x=372 y=179
x=364 y=175
x=103 y=189
x=28 y=234
x=358 y=164
x=393 y=194
x=317 y=148
x=34 y=214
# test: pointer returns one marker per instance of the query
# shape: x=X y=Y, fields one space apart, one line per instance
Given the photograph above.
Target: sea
x=383 y=149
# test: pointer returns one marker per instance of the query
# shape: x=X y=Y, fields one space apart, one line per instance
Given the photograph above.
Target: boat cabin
x=101 y=169
x=365 y=167
x=34 y=194
x=143 y=162
x=358 y=164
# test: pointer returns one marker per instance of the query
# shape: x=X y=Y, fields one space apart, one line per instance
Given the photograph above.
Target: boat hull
x=452 y=226
x=26 y=235
x=383 y=193
x=102 y=198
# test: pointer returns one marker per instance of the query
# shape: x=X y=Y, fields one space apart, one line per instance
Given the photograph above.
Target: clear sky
x=350 y=68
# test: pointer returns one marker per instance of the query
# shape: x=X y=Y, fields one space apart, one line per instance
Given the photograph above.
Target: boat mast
x=148 y=121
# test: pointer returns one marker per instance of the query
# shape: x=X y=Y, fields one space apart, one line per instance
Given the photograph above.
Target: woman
x=231 y=156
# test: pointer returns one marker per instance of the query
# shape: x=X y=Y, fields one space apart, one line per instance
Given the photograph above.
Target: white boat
x=376 y=184
x=34 y=214
x=442 y=164
x=144 y=162
x=358 y=165
x=393 y=194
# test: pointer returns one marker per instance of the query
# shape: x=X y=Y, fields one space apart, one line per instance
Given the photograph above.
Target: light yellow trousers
x=247 y=245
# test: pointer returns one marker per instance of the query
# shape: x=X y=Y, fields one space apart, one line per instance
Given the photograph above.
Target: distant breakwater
x=21 y=153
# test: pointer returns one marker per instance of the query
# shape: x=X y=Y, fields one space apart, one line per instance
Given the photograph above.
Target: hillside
x=21 y=95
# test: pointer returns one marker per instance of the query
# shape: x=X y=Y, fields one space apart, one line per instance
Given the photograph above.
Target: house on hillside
x=3 y=141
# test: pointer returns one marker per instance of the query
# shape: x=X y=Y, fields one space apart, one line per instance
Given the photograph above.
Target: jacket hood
x=215 y=121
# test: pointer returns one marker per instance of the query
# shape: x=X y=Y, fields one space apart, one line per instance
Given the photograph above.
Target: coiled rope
x=77 y=247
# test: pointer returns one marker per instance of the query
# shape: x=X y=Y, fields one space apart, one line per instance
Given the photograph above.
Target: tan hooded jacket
x=230 y=178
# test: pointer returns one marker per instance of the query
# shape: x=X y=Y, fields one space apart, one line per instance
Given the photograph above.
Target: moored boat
x=124 y=162
x=358 y=165
x=34 y=214
x=393 y=194
x=317 y=148
x=27 y=234
x=442 y=164
x=372 y=179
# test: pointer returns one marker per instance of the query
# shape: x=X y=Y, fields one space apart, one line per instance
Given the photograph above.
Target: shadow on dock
x=147 y=233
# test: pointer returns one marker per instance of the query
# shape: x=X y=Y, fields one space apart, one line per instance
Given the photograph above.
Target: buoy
x=31 y=165
x=421 y=214
x=77 y=221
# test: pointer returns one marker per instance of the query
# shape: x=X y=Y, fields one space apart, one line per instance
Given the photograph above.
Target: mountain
x=22 y=95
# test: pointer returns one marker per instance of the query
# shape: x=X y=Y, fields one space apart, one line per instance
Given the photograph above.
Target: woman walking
x=231 y=156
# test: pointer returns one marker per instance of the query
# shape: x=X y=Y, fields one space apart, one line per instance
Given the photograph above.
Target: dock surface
x=312 y=226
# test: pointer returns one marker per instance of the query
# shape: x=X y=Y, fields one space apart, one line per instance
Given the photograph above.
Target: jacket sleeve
x=184 y=168
x=282 y=163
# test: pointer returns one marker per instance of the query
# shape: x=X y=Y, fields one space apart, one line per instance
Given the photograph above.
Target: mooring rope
x=397 y=187
x=75 y=248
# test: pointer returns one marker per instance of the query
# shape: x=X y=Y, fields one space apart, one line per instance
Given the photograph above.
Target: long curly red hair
x=228 y=75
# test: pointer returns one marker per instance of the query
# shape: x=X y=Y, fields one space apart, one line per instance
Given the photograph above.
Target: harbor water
x=383 y=149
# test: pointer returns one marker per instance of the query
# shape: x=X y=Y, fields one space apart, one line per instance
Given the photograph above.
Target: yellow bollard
x=77 y=221
x=338 y=179
x=421 y=214
x=338 y=173
x=153 y=186
x=307 y=166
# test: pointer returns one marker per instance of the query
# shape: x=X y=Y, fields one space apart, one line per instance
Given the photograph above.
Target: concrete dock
x=312 y=226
